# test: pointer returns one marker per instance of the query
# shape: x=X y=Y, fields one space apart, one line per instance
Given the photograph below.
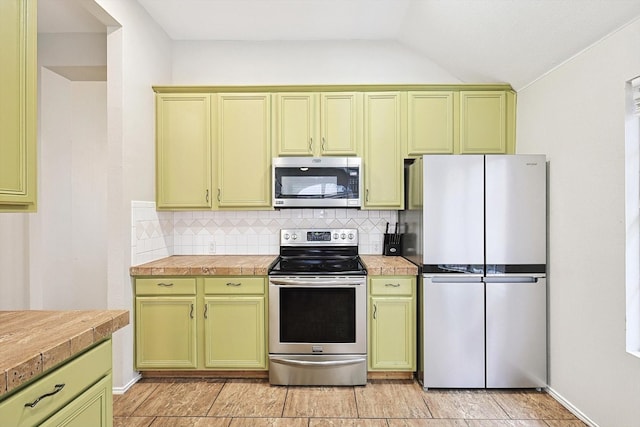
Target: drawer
x=234 y=285
x=56 y=389
x=166 y=286
x=392 y=285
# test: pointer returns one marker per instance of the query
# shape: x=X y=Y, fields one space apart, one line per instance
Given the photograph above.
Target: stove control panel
x=318 y=237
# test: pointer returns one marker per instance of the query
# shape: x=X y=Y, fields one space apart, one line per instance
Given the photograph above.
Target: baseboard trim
x=127 y=386
x=575 y=411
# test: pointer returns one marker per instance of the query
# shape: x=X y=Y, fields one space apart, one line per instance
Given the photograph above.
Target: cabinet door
x=392 y=336
x=429 y=123
x=166 y=332
x=235 y=332
x=18 y=105
x=93 y=408
x=244 y=154
x=296 y=124
x=339 y=123
x=483 y=122
x=383 y=165
x=183 y=151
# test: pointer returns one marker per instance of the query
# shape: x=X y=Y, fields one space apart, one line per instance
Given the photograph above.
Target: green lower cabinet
x=166 y=332
x=234 y=332
x=93 y=408
x=392 y=320
x=201 y=323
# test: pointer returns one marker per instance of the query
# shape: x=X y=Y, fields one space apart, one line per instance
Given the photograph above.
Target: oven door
x=317 y=316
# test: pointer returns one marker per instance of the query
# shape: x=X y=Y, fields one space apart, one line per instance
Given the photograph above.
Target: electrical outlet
x=376 y=248
x=212 y=247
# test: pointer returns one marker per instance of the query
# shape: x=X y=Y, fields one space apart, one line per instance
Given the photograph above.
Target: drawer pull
x=166 y=285
x=56 y=390
x=234 y=284
x=393 y=285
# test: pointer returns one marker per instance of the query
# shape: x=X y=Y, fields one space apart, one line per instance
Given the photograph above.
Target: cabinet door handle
x=218 y=194
x=166 y=285
x=56 y=390
x=323 y=143
x=366 y=197
x=393 y=285
x=207 y=196
x=375 y=311
x=234 y=284
x=206 y=309
x=191 y=312
x=311 y=145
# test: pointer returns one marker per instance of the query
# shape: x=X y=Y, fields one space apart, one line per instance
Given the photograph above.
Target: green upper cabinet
x=296 y=125
x=243 y=140
x=18 y=105
x=215 y=144
x=340 y=123
x=183 y=151
x=318 y=124
x=460 y=122
x=430 y=122
x=484 y=122
x=383 y=164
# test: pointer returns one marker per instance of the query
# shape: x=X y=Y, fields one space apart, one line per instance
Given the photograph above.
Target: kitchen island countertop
x=34 y=341
x=254 y=265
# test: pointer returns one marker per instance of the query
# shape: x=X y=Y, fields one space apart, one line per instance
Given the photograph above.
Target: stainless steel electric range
x=317 y=309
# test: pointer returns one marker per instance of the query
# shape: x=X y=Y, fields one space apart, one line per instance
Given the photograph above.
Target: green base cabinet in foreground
x=78 y=394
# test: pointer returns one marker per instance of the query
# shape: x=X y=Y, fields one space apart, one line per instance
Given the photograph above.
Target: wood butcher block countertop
x=206 y=265
x=254 y=265
x=380 y=265
x=33 y=341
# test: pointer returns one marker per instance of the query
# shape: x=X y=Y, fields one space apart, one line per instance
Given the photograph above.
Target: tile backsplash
x=156 y=234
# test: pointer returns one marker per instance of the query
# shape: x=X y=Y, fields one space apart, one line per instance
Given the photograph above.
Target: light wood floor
x=392 y=403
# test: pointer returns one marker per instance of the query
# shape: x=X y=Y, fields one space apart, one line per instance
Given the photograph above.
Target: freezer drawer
x=453 y=325
x=516 y=332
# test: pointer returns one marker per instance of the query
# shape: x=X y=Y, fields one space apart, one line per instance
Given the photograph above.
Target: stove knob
x=335 y=236
x=351 y=236
x=286 y=236
x=294 y=236
x=343 y=236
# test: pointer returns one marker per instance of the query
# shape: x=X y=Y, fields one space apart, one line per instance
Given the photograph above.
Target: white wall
x=576 y=115
x=14 y=266
x=138 y=56
x=67 y=236
x=287 y=63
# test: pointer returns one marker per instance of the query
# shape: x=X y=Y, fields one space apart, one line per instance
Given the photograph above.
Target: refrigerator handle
x=510 y=279
x=455 y=279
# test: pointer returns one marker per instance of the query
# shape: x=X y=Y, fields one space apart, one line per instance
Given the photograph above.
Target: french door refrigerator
x=483 y=305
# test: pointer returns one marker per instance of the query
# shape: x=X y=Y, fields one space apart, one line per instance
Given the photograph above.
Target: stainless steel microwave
x=315 y=182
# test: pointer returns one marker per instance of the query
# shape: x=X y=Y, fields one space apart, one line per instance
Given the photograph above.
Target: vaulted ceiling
x=513 y=41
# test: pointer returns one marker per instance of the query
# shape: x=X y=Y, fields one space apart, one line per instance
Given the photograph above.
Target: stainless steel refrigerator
x=483 y=301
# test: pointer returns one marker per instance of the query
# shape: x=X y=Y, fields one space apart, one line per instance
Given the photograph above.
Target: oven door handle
x=314 y=283
x=317 y=364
